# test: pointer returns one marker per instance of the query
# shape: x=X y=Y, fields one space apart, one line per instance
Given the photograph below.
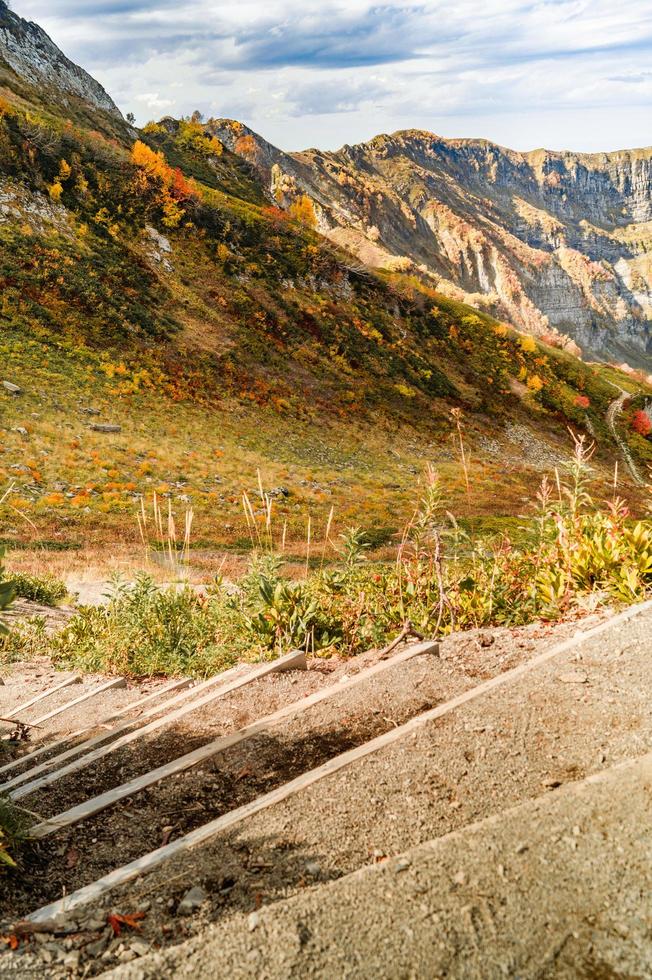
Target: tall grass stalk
x=159 y=534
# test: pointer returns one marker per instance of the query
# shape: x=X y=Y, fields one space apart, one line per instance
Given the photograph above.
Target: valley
x=325 y=547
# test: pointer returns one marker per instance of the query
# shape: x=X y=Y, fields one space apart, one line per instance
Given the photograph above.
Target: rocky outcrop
x=35 y=58
x=559 y=244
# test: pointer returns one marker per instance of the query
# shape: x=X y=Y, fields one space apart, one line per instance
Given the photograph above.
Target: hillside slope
x=557 y=243
x=146 y=276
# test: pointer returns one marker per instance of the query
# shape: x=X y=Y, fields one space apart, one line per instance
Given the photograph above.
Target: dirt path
x=580 y=713
x=179 y=804
x=573 y=718
x=613 y=412
x=549 y=889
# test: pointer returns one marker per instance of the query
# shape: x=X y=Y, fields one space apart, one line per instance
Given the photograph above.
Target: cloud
x=324 y=73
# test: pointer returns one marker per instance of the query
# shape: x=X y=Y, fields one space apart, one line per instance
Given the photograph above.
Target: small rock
x=253 y=921
x=90 y=411
x=22 y=431
x=127 y=955
x=12 y=388
x=93 y=950
x=101 y=427
x=139 y=947
x=487 y=639
x=551 y=782
x=192 y=900
x=574 y=677
x=71 y=960
x=402 y=864
x=313 y=869
x=96 y=923
x=459 y=878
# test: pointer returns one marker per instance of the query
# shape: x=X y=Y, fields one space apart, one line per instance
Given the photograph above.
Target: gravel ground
x=575 y=715
x=85 y=852
x=555 y=888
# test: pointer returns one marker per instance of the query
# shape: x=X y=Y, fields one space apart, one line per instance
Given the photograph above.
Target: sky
x=564 y=74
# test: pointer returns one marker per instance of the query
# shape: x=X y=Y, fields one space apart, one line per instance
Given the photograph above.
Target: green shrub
x=47 y=590
x=12 y=831
x=144 y=631
x=7 y=592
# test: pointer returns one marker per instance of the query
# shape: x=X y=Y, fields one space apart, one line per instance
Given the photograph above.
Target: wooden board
x=292 y=661
x=86 y=696
x=127 y=725
x=108 y=719
x=205 y=752
x=69 y=681
x=128 y=872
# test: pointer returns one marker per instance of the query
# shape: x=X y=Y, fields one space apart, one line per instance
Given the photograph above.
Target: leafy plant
x=12 y=832
x=7 y=593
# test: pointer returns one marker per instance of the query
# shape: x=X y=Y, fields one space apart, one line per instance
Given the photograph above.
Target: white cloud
x=305 y=72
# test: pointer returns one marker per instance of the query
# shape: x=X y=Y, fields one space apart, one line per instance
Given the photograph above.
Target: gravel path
x=555 y=888
x=578 y=714
x=572 y=717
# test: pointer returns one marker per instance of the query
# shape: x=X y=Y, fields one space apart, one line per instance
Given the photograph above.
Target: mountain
x=557 y=244
x=32 y=66
x=176 y=322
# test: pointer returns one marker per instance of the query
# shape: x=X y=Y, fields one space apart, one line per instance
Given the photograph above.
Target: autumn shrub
x=641 y=423
x=577 y=553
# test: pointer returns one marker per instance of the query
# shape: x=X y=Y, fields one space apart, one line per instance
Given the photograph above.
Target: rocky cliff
x=559 y=244
x=28 y=52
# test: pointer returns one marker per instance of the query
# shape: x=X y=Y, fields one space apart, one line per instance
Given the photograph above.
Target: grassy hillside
x=151 y=282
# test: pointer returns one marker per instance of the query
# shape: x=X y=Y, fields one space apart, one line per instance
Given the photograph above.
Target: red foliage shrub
x=641 y=423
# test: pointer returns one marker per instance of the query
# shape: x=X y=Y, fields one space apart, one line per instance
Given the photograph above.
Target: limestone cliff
x=557 y=243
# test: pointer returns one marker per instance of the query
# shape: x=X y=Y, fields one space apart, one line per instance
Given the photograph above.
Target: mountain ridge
x=554 y=241
x=34 y=57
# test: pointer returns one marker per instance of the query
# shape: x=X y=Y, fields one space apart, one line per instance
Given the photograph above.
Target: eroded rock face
x=34 y=57
x=559 y=244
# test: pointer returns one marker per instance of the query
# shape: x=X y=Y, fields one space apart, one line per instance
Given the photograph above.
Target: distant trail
x=613 y=412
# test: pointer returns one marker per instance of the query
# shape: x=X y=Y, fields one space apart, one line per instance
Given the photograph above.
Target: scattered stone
x=402 y=864
x=313 y=869
x=95 y=923
x=95 y=949
x=22 y=431
x=459 y=878
x=139 y=947
x=71 y=960
x=12 y=388
x=551 y=782
x=192 y=900
x=253 y=921
x=90 y=411
x=487 y=639
x=100 y=427
x=574 y=677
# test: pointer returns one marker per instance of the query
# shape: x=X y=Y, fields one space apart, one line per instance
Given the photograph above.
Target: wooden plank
x=107 y=686
x=292 y=661
x=184 y=683
x=68 y=682
x=124 y=726
x=128 y=872
x=205 y=752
